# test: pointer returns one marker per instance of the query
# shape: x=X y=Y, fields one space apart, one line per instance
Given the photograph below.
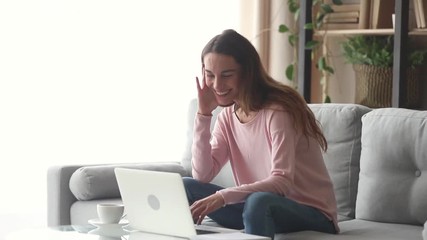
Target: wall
x=94 y=81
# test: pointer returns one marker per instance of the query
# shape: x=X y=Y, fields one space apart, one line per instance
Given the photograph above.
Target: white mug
x=110 y=212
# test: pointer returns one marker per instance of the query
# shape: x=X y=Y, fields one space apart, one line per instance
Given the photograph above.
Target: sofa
x=377 y=160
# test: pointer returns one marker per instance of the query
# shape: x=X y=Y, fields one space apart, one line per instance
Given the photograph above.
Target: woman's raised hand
x=206 y=97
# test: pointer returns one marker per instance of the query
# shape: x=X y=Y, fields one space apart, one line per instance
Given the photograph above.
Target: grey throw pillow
x=97 y=182
x=393 y=167
x=342 y=127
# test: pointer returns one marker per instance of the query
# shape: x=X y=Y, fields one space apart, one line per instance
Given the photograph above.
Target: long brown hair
x=258 y=89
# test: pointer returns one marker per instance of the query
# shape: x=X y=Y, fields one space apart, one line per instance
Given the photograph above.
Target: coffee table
x=68 y=232
x=89 y=232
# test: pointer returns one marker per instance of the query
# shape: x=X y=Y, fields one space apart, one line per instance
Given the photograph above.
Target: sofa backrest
x=393 y=175
x=341 y=124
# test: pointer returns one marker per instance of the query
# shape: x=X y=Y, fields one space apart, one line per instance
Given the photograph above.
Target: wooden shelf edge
x=418 y=31
x=388 y=31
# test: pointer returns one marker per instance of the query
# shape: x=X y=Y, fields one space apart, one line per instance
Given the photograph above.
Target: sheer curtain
x=261 y=20
x=94 y=81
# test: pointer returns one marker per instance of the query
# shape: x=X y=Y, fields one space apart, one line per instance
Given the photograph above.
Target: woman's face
x=222 y=75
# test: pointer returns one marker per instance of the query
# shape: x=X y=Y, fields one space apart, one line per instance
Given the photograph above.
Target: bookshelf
x=401 y=35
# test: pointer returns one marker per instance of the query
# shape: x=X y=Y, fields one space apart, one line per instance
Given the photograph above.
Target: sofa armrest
x=99 y=182
x=67 y=184
x=59 y=196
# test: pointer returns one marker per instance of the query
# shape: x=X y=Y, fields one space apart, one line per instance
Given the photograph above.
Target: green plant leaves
x=308 y=26
x=293 y=6
x=417 y=58
x=293 y=39
x=323 y=66
x=326 y=8
x=376 y=51
x=323 y=10
x=290 y=72
x=283 y=28
x=312 y=44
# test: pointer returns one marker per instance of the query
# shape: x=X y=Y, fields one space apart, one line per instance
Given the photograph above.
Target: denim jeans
x=262 y=213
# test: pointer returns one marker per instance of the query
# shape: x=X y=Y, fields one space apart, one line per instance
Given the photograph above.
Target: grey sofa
x=377 y=160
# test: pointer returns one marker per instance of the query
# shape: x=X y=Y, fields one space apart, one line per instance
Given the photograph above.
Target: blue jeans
x=262 y=213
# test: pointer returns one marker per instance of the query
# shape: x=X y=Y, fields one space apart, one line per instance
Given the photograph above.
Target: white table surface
x=89 y=232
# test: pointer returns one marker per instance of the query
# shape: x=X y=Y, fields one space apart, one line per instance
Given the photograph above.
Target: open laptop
x=156 y=202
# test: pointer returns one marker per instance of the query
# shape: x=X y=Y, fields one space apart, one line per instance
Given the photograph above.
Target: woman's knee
x=257 y=215
x=188 y=181
x=258 y=198
x=256 y=203
x=197 y=190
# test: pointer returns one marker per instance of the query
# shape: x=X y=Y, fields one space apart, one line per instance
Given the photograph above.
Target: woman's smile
x=222 y=75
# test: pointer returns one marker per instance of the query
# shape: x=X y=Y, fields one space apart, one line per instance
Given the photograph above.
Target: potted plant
x=372 y=59
x=320 y=12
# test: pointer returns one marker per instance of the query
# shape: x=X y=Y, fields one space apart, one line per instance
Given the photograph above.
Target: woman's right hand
x=206 y=97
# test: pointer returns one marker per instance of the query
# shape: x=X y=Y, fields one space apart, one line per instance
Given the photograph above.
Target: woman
x=272 y=140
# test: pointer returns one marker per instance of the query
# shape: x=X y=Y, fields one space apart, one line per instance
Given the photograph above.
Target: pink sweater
x=266 y=155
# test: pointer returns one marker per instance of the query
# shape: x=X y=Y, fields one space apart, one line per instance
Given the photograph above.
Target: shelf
x=400 y=48
x=390 y=31
x=419 y=32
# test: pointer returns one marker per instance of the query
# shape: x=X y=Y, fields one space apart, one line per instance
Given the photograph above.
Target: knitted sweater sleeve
x=208 y=154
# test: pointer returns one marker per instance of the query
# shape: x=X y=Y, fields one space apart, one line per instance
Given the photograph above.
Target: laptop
x=156 y=202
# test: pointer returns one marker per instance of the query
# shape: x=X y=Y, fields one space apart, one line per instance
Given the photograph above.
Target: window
x=96 y=81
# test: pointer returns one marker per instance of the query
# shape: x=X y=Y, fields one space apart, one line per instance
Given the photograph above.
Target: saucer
x=96 y=222
x=108 y=233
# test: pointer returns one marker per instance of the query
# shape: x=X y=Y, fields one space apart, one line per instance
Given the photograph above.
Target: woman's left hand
x=204 y=206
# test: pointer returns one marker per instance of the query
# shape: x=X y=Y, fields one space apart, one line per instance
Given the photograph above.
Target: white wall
x=94 y=81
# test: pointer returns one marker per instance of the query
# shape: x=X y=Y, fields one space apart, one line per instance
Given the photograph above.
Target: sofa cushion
x=393 y=175
x=97 y=182
x=341 y=125
x=360 y=230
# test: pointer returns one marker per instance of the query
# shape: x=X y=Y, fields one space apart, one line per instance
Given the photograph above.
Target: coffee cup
x=110 y=213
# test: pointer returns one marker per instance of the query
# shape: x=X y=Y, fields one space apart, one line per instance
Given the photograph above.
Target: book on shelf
x=339 y=26
x=420 y=9
x=342 y=20
x=365 y=10
x=417 y=13
x=412 y=20
x=342 y=17
x=423 y=6
x=381 y=14
x=344 y=7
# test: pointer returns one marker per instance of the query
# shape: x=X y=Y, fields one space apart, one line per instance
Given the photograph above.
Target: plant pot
x=374 y=86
